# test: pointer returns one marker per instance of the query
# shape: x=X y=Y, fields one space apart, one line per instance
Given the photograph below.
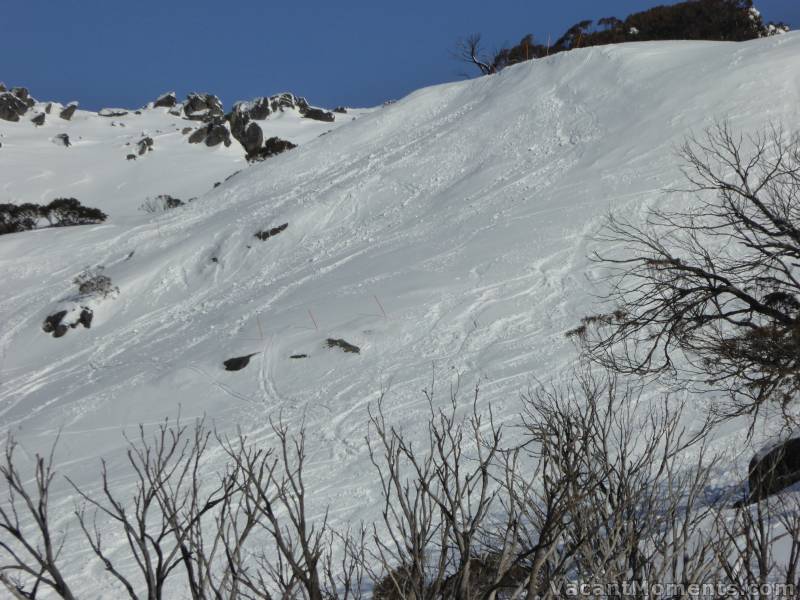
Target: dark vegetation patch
x=344 y=345
x=92 y=282
x=238 y=363
x=161 y=203
x=722 y=20
x=268 y=233
x=61 y=212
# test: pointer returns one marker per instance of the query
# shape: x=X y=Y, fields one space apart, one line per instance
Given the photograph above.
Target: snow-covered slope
x=447 y=232
x=96 y=170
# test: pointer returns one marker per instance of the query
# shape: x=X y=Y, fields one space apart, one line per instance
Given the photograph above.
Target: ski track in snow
x=466 y=210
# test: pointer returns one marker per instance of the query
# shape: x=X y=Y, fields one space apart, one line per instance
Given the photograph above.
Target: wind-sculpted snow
x=443 y=235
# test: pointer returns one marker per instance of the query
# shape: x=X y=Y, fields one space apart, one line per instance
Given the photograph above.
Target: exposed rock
x=296 y=356
x=202 y=107
x=112 y=112
x=167 y=100
x=318 y=114
x=287 y=100
x=131 y=157
x=238 y=363
x=253 y=138
x=272 y=146
x=69 y=110
x=186 y=130
x=217 y=134
x=48 y=107
x=198 y=136
x=85 y=318
x=346 y=346
x=260 y=109
x=144 y=145
x=38 y=119
x=340 y=109
x=62 y=139
x=56 y=324
x=3 y=87
x=52 y=324
x=23 y=94
x=11 y=107
x=774 y=470
x=268 y=233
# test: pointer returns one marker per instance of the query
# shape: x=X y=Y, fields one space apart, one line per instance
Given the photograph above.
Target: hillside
x=445 y=234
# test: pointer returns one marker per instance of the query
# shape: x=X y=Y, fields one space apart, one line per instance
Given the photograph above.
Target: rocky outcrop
x=272 y=146
x=58 y=326
x=198 y=136
x=252 y=139
x=112 y=112
x=69 y=110
x=38 y=119
x=249 y=134
x=11 y=106
x=237 y=363
x=245 y=131
x=203 y=107
x=167 y=100
x=144 y=145
x=318 y=115
x=212 y=135
x=23 y=94
x=774 y=470
x=272 y=232
x=260 y=108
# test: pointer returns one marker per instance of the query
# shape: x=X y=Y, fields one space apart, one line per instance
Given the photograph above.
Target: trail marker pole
x=380 y=306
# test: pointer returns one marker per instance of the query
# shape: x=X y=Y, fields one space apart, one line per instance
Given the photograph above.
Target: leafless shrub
x=31 y=553
x=718 y=283
x=469 y=50
x=160 y=203
x=606 y=488
x=758 y=548
x=635 y=510
x=93 y=282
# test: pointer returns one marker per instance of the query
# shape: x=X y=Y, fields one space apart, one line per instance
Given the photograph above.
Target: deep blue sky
x=356 y=52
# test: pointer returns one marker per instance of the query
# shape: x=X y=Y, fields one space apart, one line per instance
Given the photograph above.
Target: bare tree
x=300 y=561
x=758 y=548
x=163 y=523
x=31 y=554
x=636 y=511
x=717 y=284
x=469 y=50
x=438 y=500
